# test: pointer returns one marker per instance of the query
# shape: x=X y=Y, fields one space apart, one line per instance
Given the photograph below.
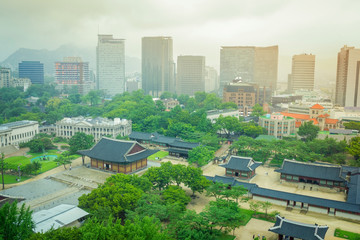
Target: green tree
x=176 y=195
x=178 y=172
x=93 y=97
x=80 y=141
x=257 y=111
x=15 y=223
x=227 y=124
x=265 y=206
x=254 y=206
x=308 y=130
x=223 y=214
x=2 y=162
x=63 y=159
x=159 y=176
x=354 y=148
x=200 y=155
x=65 y=233
x=195 y=180
x=352 y=125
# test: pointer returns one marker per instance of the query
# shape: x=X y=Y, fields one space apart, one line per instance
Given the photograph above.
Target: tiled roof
x=324 y=115
x=158 y=138
x=317 y=106
x=113 y=150
x=244 y=164
x=296 y=115
x=354 y=189
x=255 y=190
x=299 y=230
x=298 y=124
x=314 y=121
x=319 y=171
x=331 y=121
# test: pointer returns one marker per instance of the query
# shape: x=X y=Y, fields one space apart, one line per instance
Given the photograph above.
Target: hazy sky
x=198 y=27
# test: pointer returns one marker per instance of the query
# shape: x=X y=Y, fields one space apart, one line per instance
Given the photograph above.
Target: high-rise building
x=190 y=76
x=5 y=76
x=347 y=77
x=252 y=64
x=34 y=70
x=158 y=70
x=211 y=79
x=110 y=65
x=72 y=71
x=302 y=72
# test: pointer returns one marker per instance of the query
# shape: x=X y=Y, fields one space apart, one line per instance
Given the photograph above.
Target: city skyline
x=198 y=28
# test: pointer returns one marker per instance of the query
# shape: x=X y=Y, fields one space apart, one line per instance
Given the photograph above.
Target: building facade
x=348 y=77
x=117 y=155
x=97 y=127
x=324 y=175
x=34 y=70
x=241 y=167
x=158 y=68
x=5 y=77
x=278 y=125
x=211 y=79
x=72 y=72
x=110 y=65
x=245 y=95
x=302 y=72
x=212 y=115
x=252 y=64
x=190 y=76
x=15 y=133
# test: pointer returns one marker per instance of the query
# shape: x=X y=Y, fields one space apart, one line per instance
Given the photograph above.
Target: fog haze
x=197 y=27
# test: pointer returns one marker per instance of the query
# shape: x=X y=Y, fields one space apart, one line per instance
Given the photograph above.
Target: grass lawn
x=247 y=215
x=17 y=160
x=49 y=152
x=160 y=155
x=8 y=179
x=225 y=237
x=47 y=165
x=345 y=234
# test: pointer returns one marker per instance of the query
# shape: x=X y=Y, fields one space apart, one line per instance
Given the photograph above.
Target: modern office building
x=302 y=72
x=98 y=127
x=110 y=65
x=72 y=72
x=348 y=77
x=158 y=68
x=34 y=70
x=211 y=79
x=252 y=64
x=5 y=77
x=190 y=76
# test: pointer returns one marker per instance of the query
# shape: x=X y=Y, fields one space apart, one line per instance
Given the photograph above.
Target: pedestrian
x=253 y=236
x=70 y=168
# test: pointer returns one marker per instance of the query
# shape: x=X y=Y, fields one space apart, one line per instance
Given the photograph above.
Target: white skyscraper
x=110 y=58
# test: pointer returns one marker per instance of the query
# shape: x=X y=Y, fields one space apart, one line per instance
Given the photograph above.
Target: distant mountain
x=48 y=58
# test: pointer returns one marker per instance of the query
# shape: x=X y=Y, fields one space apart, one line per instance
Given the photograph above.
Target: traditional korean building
x=297 y=230
x=325 y=175
x=176 y=146
x=117 y=155
x=241 y=167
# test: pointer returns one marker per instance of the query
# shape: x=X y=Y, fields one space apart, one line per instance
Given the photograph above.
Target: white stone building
x=15 y=133
x=278 y=125
x=215 y=114
x=98 y=127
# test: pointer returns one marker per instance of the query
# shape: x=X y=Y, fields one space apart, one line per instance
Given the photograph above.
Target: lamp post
x=2 y=170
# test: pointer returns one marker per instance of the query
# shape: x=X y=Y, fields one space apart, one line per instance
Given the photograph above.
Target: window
x=244 y=174
x=330 y=183
x=289 y=177
x=296 y=178
x=229 y=172
x=322 y=182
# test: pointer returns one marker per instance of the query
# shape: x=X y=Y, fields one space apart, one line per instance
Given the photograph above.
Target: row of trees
x=328 y=150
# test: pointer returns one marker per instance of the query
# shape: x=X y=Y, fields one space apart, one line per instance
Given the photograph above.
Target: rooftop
x=118 y=151
x=57 y=217
x=245 y=164
x=94 y=121
x=313 y=170
x=299 y=230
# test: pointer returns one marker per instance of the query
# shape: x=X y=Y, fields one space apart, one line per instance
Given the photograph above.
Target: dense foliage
x=328 y=150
